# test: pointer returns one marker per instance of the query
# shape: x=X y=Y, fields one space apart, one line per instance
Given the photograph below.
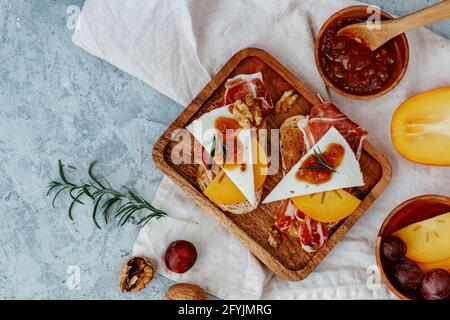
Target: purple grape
x=407 y=275
x=436 y=285
x=393 y=248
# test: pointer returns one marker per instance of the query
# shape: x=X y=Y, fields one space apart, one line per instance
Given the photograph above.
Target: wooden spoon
x=375 y=35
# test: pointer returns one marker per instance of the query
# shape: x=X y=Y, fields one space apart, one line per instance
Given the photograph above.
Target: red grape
x=407 y=275
x=436 y=285
x=393 y=248
x=180 y=256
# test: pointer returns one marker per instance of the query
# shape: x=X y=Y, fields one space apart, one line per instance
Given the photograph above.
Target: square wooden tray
x=288 y=261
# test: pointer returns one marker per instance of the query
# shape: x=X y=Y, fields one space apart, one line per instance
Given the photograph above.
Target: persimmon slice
x=427 y=240
x=222 y=190
x=420 y=128
x=328 y=206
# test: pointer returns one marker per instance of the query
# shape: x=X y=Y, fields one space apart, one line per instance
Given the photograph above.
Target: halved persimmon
x=222 y=190
x=420 y=128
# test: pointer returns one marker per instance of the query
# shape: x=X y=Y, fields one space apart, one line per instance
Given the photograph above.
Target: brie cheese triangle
x=203 y=129
x=348 y=173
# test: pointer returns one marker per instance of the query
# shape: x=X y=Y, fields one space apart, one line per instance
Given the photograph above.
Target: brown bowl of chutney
x=352 y=69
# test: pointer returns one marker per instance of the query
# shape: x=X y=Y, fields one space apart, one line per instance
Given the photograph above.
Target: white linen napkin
x=177 y=46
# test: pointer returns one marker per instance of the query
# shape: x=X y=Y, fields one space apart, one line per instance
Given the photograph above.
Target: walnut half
x=248 y=112
x=286 y=101
x=136 y=273
x=274 y=237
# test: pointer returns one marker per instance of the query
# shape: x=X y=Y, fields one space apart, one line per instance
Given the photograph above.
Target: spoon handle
x=439 y=11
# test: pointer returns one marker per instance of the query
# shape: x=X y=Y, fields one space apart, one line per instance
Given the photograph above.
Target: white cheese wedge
x=203 y=129
x=348 y=173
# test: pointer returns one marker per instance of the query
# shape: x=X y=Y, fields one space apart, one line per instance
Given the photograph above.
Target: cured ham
x=325 y=115
x=286 y=220
x=239 y=87
x=312 y=234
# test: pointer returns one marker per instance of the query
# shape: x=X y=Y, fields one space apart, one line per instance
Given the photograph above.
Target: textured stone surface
x=58 y=102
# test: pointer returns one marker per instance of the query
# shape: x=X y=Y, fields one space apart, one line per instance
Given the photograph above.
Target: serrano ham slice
x=293 y=222
x=286 y=217
x=311 y=234
x=239 y=87
x=323 y=117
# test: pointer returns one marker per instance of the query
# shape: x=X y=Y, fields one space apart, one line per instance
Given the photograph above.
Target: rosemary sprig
x=322 y=163
x=104 y=198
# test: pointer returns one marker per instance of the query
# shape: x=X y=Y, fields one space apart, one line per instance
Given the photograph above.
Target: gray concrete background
x=58 y=102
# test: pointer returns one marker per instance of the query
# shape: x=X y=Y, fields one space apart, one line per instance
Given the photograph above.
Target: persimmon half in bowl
x=420 y=128
x=421 y=228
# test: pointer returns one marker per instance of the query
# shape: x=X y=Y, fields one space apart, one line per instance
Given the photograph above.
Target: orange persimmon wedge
x=420 y=128
x=222 y=190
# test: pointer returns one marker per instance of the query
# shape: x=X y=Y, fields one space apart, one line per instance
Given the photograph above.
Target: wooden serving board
x=288 y=260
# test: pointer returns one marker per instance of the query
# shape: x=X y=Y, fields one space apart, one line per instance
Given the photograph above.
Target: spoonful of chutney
x=375 y=35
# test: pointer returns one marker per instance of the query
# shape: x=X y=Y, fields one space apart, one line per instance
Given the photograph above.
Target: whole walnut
x=186 y=291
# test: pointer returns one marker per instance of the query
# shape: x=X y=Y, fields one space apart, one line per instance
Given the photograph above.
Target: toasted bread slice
x=238 y=208
x=291 y=143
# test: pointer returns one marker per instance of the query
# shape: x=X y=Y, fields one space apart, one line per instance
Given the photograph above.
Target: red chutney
x=333 y=156
x=352 y=66
x=224 y=123
x=231 y=158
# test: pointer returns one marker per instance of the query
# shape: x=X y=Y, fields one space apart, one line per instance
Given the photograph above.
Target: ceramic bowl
x=409 y=212
x=401 y=45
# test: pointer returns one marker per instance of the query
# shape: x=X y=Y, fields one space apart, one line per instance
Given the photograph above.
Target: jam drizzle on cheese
x=318 y=168
x=228 y=147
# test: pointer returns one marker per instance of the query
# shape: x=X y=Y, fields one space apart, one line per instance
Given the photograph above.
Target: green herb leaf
x=93 y=177
x=56 y=195
x=74 y=201
x=62 y=174
x=52 y=185
x=107 y=206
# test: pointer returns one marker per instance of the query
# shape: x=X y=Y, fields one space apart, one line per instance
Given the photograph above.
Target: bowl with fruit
x=413 y=249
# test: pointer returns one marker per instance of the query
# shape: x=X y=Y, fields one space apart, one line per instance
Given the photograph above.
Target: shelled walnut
x=274 y=237
x=286 y=101
x=136 y=273
x=248 y=112
x=255 y=109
